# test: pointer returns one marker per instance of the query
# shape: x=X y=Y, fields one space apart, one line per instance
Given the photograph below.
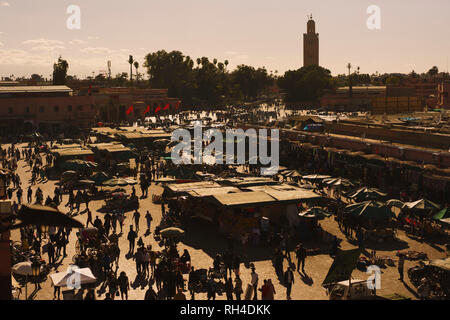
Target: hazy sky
x=414 y=33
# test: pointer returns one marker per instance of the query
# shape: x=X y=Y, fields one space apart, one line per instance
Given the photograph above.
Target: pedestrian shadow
x=410 y=289
x=129 y=256
x=139 y=281
x=306 y=279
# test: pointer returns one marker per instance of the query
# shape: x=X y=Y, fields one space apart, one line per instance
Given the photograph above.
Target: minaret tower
x=310 y=44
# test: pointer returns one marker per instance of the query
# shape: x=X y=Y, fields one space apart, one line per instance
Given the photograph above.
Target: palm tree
x=136 y=66
x=131 y=61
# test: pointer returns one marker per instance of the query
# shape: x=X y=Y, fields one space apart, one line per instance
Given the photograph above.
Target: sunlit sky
x=414 y=34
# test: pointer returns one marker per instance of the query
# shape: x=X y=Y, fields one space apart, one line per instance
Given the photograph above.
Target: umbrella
x=315 y=212
x=78 y=164
x=72 y=277
x=114 y=182
x=86 y=182
x=47 y=216
x=100 y=177
x=23 y=268
x=171 y=232
x=338 y=182
x=443 y=214
x=370 y=210
x=366 y=194
x=422 y=204
x=395 y=203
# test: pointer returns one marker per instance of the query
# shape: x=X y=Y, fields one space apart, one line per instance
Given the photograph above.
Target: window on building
x=80 y=108
x=56 y=109
x=27 y=109
x=69 y=108
x=92 y=107
x=41 y=109
x=10 y=110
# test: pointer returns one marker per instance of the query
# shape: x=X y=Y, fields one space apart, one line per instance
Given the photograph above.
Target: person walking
x=254 y=283
x=288 y=282
x=238 y=288
x=29 y=195
x=121 y=219
x=149 y=219
x=132 y=235
x=19 y=195
x=51 y=253
x=89 y=218
x=124 y=284
x=301 y=257
x=229 y=289
x=136 y=217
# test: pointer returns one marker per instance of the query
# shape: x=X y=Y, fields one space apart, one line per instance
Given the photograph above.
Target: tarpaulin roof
x=204 y=192
x=244 y=199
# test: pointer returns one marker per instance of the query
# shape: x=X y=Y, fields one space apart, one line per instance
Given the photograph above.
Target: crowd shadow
x=203 y=235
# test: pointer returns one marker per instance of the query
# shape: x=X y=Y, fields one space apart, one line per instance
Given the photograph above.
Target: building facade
x=310 y=45
x=48 y=109
x=114 y=104
x=442 y=96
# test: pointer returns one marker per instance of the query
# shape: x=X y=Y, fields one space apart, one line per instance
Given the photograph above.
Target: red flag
x=166 y=107
x=130 y=110
x=157 y=109
x=147 y=110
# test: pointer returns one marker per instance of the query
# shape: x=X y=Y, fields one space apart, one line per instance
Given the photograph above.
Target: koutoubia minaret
x=311 y=44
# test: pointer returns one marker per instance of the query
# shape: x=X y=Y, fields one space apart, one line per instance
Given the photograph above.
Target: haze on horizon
x=268 y=33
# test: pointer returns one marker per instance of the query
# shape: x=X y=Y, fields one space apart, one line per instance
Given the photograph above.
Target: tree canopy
x=60 y=72
x=306 y=84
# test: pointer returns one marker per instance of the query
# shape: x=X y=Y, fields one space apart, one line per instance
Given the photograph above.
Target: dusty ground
x=204 y=243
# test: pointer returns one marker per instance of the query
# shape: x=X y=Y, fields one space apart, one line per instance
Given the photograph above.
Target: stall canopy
x=338 y=182
x=442 y=215
x=370 y=210
x=366 y=194
x=205 y=192
x=422 y=204
x=73 y=274
x=441 y=263
x=243 y=199
x=315 y=213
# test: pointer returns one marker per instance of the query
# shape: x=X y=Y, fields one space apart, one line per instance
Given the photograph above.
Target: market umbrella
x=45 y=216
x=100 y=177
x=443 y=214
x=72 y=277
x=422 y=204
x=171 y=232
x=370 y=210
x=338 y=182
x=23 y=268
x=121 y=182
x=315 y=213
x=363 y=194
x=395 y=203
